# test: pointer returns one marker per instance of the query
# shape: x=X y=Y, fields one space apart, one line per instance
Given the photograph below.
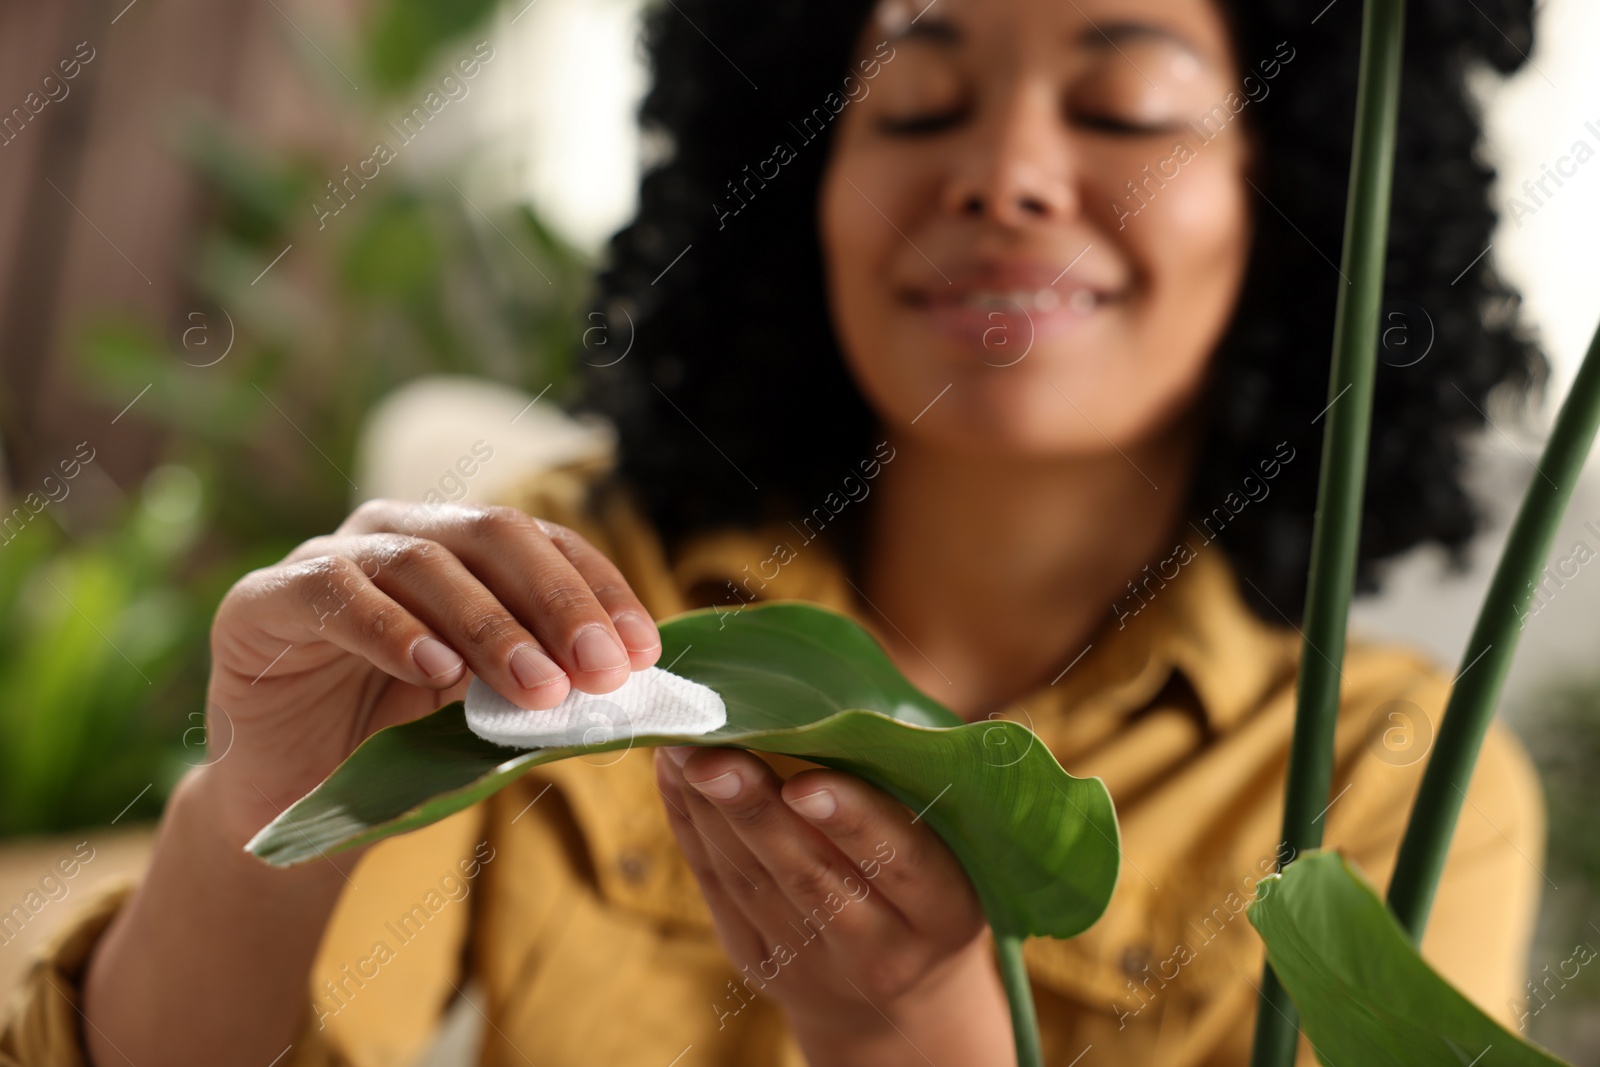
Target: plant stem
x=1337 y=526
x=1489 y=650
x=1014 y=976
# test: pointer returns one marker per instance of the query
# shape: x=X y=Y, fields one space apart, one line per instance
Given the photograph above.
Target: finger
x=819 y=883
x=894 y=849
x=628 y=614
x=334 y=601
x=749 y=885
x=435 y=586
x=726 y=855
x=740 y=937
x=510 y=552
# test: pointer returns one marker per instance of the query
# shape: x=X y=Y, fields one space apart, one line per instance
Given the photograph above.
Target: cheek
x=866 y=202
x=1192 y=245
x=859 y=247
x=1188 y=248
x=1192 y=241
x=857 y=242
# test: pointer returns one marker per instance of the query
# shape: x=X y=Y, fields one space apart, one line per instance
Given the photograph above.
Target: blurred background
x=213 y=281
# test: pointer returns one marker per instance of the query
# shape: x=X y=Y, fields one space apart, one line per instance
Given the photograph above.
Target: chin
x=1004 y=414
x=1015 y=420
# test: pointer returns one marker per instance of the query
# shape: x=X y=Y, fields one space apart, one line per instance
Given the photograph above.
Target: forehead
x=1057 y=26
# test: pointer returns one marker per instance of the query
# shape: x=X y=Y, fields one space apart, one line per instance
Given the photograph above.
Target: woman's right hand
x=378 y=623
x=381 y=622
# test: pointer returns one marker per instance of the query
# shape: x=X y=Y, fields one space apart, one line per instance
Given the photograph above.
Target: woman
x=1002 y=326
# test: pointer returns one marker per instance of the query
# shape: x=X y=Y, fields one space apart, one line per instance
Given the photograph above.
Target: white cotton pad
x=651 y=701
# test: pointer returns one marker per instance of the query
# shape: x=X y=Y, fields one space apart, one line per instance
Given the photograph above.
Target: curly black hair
x=736 y=380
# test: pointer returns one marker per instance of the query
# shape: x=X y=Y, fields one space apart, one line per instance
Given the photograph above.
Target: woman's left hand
x=837 y=902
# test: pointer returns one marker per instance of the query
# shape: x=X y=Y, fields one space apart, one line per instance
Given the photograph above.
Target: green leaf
x=1040 y=846
x=1341 y=484
x=1505 y=611
x=258 y=192
x=1365 y=996
x=406 y=36
x=394 y=253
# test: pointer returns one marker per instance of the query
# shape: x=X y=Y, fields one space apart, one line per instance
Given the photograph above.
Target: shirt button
x=634 y=865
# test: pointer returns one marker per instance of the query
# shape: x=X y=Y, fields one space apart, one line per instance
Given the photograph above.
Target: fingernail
x=597 y=650
x=533 y=668
x=437 y=659
x=638 y=634
x=677 y=753
x=818 y=805
x=722 y=787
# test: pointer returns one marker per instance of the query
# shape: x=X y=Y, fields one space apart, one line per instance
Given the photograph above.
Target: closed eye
x=1114 y=125
x=921 y=125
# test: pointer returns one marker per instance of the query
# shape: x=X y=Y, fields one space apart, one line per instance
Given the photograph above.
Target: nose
x=1020 y=170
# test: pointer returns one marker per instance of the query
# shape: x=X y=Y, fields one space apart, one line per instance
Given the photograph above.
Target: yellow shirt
x=565 y=897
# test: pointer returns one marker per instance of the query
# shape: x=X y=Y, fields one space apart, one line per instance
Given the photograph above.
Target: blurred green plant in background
x=80 y=742
x=1562 y=733
x=105 y=636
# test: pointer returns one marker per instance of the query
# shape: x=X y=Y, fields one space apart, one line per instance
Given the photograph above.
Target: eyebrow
x=935 y=31
x=1111 y=34
x=1102 y=36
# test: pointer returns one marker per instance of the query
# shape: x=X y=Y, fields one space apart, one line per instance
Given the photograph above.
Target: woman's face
x=1035 y=218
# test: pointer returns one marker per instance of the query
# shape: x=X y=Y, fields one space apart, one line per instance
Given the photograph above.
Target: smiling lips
x=1005 y=323
x=1046 y=300
x=1003 y=308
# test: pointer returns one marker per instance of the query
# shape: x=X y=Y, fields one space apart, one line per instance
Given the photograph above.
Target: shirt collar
x=1195 y=622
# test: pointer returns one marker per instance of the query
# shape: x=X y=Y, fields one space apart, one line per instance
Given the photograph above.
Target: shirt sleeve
x=1483 y=916
x=413 y=897
x=1484 y=911
x=43 y=1023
